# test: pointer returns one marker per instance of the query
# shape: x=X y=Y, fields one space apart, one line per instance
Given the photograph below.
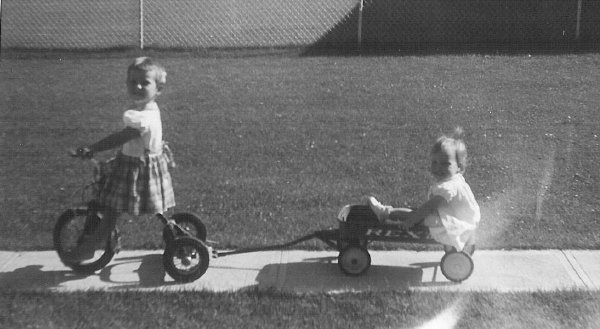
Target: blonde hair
x=149 y=65
x=453 y=145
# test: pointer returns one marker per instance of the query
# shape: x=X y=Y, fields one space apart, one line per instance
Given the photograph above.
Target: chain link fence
x=77 y=24
x=240 y=23
x=69 y=24
x=218 y=24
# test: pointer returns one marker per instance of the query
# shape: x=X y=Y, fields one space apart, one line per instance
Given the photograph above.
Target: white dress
x=455 y=222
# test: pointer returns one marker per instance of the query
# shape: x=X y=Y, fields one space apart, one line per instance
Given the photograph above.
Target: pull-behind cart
x=358 y=226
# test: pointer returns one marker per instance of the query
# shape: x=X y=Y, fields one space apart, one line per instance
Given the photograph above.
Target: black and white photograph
x=384 y=164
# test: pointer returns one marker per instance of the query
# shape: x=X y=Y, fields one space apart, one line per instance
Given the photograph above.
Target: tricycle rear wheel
x=186 y=259
x=190 y=224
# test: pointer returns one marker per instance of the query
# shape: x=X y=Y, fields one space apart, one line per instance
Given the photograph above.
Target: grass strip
x=253 y=309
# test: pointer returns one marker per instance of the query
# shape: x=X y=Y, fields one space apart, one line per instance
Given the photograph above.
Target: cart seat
x=356 y=214
x=360 y=221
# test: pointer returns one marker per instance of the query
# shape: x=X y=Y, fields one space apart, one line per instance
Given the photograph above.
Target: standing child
x=139 y=182
x=451 y=212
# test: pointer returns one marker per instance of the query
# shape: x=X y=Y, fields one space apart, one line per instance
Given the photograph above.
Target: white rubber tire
x=457 y=266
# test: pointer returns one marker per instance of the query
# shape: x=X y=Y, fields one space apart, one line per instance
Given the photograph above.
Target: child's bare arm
x=112 y=141
x=423 y=211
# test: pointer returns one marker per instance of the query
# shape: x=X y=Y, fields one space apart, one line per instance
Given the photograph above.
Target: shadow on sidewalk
x=324 y=275
x=304 y=275
x=150 y=272
x=123 y=272
x=32 y=277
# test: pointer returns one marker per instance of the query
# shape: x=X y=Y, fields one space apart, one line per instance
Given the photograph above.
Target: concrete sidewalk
x=312 y=272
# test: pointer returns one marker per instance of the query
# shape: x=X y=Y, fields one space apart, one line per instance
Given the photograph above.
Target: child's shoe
x=380 y=210
x=449 y=249
x=469 y=249
x=115 y=240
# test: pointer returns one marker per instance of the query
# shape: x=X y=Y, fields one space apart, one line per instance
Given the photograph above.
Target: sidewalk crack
x=581 y=274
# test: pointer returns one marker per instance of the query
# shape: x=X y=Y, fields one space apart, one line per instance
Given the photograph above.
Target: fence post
x=578 y=19
x=360 y=18
x=141 y=24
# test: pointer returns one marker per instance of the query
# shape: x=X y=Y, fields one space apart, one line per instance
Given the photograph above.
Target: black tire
x=457 y=266
x=191 y=224
x=354 y=260
x=186 y=259
x=67 y=231
x=343 y=244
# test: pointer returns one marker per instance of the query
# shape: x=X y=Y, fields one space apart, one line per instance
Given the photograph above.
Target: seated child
x=451 y=212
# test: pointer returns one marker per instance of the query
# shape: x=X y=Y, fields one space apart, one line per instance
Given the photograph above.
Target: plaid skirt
x=138 y=185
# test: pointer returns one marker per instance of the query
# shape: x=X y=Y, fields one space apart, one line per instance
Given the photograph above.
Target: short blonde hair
x=455 y=144
x=149 y=65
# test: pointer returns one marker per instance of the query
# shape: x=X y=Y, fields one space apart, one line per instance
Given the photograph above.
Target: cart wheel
x=191 y=224
x=186 y=259
x=456 y=266
x=354 y=260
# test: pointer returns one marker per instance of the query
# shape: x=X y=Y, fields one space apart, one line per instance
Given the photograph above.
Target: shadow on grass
x=437 y=49
x=407 y=28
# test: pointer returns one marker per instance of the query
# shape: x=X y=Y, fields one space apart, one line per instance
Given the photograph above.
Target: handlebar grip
x=82 y=152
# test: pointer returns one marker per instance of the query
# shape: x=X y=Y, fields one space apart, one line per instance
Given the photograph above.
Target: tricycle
x=185 y=256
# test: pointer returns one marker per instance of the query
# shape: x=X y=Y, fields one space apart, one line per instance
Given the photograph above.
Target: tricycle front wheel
x=68 y=232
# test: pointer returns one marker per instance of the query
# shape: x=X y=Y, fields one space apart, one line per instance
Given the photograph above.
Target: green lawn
x=270 y=147
x=253 y=309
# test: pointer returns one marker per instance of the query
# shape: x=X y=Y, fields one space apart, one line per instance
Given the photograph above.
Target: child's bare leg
x=382 y=212
x=105 y=227
x=387 y=214
x=469 y=247
x=399 y=214
x=470 y=244
x=96 y=239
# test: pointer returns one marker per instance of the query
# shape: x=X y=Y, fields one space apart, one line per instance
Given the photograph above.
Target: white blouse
x=147 y=121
